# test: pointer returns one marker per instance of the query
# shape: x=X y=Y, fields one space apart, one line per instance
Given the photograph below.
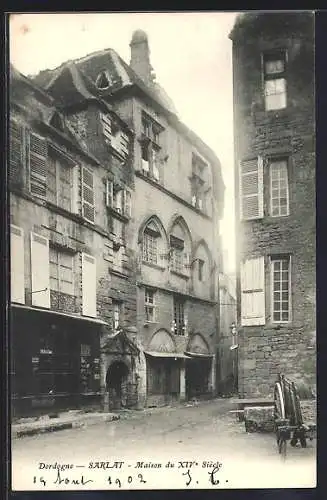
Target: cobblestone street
x=196 y=433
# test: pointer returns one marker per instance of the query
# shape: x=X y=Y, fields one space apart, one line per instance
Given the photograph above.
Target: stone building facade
x=68 y=287
x=274 y=120
x=150 y=221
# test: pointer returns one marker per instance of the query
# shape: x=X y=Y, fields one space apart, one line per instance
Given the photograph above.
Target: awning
x=157 y=354
x=198 y=355
x=58 y=313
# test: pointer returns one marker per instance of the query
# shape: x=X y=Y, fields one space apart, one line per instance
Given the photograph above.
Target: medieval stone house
x=274 y=120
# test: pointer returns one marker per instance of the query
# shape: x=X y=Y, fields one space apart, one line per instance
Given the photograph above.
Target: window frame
x=150 y=236
x=58 y=267
x=274 y=56
x=150 y=305
x=83 y=200
x=59 y=162
x=179 y=326
x=117 y=306
x=273 y=260
x=271 y=162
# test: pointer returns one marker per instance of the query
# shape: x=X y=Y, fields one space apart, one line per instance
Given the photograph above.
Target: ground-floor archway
x=116 y=384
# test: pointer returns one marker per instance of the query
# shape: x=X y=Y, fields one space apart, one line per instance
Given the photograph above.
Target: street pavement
x=204 y=444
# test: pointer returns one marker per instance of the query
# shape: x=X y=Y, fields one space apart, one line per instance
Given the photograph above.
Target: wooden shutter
x=124 y=144
x=87 y=194
x=109 y=193
x=127 y=203
x=38 y=151
x=251 y=189
x=40 y=267
x=17 y=264
x=75 y=179
x=253 y=292
x=106 y=126
x=16 y=168
x=88 y=285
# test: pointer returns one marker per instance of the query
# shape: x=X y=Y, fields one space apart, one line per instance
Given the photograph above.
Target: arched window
x=180 y=246
x=103 y=80
x=151 y=243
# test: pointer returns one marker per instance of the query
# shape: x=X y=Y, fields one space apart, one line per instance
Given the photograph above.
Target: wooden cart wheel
x=279 y=402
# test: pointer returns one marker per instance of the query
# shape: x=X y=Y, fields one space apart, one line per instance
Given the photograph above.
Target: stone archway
x=116 y=380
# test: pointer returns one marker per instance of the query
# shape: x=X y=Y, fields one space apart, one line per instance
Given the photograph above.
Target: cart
x=289 y=425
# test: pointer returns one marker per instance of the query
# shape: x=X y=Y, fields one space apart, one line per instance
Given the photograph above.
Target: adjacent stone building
x=64 y=269
x=274 y=120
x=133 y=204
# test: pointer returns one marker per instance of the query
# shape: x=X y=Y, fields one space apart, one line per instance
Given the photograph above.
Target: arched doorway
x=116 y=383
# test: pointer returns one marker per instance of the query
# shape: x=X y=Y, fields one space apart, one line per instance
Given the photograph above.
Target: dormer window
x=114 y=135
x=103 y=80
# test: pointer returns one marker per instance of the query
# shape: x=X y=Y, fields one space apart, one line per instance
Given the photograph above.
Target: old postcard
x=161 y=176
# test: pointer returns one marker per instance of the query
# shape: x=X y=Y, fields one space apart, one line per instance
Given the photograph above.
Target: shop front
x=55 y=361
x=165 y=370
x=199 y=369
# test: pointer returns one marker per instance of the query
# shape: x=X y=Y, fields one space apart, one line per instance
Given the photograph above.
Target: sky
x=191 y=55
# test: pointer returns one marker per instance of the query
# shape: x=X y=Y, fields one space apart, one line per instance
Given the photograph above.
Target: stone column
x=182 y=393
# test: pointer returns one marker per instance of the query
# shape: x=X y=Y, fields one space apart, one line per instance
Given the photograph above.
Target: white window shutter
x=253 y=292
x=89 y=282
x=17 y=265
x=40 y=270
x=251 y=189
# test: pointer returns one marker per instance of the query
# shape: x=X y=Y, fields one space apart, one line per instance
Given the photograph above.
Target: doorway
x=116 y=383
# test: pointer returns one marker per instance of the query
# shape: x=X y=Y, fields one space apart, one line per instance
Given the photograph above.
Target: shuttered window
x=40 y=270
x=16 y=164
x=88 y=285
x=253 y=292
x=59 y=182
x=251 y=189
x=37 y=147
x=17 y=264
x=87 y=194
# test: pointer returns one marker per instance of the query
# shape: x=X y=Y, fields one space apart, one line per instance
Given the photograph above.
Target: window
x=59 y=183
x=118 y=199
x=253 y=292
x=274 y=66
x=177 y=254
x=87 y=194
x=150 y=243
x=200 y=269
x=150 y=148
x=114 y=135
x=279 y=195
x=251 y=189
x=198 y=183
x=40 y=267
x=116 y=315
x=61 y=272
x=179 y=316
x=103 y=80
x=149 y=305
x=281 y=289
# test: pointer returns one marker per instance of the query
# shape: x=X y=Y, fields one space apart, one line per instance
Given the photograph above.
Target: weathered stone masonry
x=289 y=348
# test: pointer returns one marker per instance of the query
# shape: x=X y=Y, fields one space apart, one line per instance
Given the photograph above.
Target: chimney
x=140 y=56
